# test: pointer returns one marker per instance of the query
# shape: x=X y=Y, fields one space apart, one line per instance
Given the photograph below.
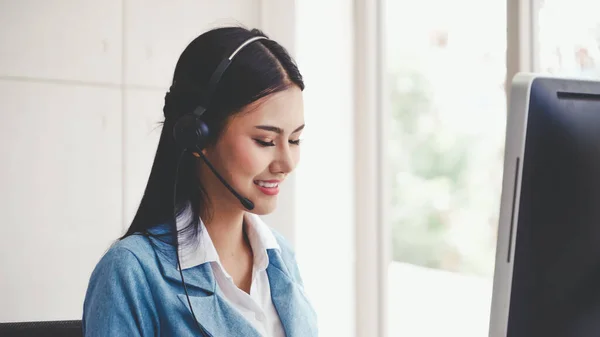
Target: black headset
x=191 y=134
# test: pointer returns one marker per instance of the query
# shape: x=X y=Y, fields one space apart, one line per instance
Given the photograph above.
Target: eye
x=295 y=142
x=263 y=143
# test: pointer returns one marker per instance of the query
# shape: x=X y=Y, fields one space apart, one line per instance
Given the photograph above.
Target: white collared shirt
x=257 y=307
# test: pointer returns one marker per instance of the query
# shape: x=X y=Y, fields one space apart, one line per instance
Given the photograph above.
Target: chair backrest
x=42 y=329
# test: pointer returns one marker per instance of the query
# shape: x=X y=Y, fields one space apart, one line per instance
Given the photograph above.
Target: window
x=445 y=75
x=569 y=37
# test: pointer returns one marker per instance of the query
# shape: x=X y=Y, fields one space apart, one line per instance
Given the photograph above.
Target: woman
x=230 y=137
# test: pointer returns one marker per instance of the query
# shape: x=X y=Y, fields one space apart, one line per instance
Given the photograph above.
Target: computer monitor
x=547 y=271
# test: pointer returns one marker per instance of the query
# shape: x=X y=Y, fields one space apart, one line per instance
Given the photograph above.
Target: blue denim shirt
x=136 y=290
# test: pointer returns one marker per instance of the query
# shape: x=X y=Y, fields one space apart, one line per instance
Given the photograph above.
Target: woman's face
x=257 y=150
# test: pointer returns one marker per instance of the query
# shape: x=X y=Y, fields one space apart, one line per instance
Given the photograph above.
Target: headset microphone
x=249 y=205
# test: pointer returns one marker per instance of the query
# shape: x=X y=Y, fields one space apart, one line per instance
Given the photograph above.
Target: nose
x=285 y=162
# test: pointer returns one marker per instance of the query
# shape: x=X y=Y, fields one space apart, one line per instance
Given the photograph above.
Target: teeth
x=267 y=185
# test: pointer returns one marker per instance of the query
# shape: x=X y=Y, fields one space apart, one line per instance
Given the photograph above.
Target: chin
x=264 y=207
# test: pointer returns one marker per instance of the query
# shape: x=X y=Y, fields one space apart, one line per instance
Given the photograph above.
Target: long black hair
x=259 y=69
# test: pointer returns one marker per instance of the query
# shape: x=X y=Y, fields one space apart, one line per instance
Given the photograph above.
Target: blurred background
x=393 y=209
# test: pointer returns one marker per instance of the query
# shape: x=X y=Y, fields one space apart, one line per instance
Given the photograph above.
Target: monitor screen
x=553 y=246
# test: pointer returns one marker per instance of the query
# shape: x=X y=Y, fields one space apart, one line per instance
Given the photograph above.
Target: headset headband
x=218 y=73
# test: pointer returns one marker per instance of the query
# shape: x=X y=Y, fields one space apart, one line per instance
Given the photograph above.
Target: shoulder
x=118 y=296
x=129 y=260
x=130 y=249
x=123 y=261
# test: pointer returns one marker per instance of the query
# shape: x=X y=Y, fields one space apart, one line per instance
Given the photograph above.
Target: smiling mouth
x=270 y=188
x=266 y=184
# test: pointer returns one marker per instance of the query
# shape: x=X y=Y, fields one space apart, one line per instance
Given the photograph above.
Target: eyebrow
x=276 y=129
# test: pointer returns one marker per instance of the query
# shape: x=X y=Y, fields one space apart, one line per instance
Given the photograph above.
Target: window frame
x=370 y=172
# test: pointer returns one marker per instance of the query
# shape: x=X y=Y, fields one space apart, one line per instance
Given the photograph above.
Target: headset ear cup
x=202 y=135
x=185 y=132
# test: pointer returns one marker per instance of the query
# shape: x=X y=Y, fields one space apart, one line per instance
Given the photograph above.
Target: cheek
x=247 y=158
x=296 y=155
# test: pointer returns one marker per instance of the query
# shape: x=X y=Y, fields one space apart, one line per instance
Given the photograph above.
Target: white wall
x=81 y=91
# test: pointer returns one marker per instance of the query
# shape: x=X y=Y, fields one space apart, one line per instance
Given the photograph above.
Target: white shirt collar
x=259 y=235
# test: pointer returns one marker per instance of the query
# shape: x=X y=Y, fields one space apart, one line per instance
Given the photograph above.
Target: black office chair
x=42 y=329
